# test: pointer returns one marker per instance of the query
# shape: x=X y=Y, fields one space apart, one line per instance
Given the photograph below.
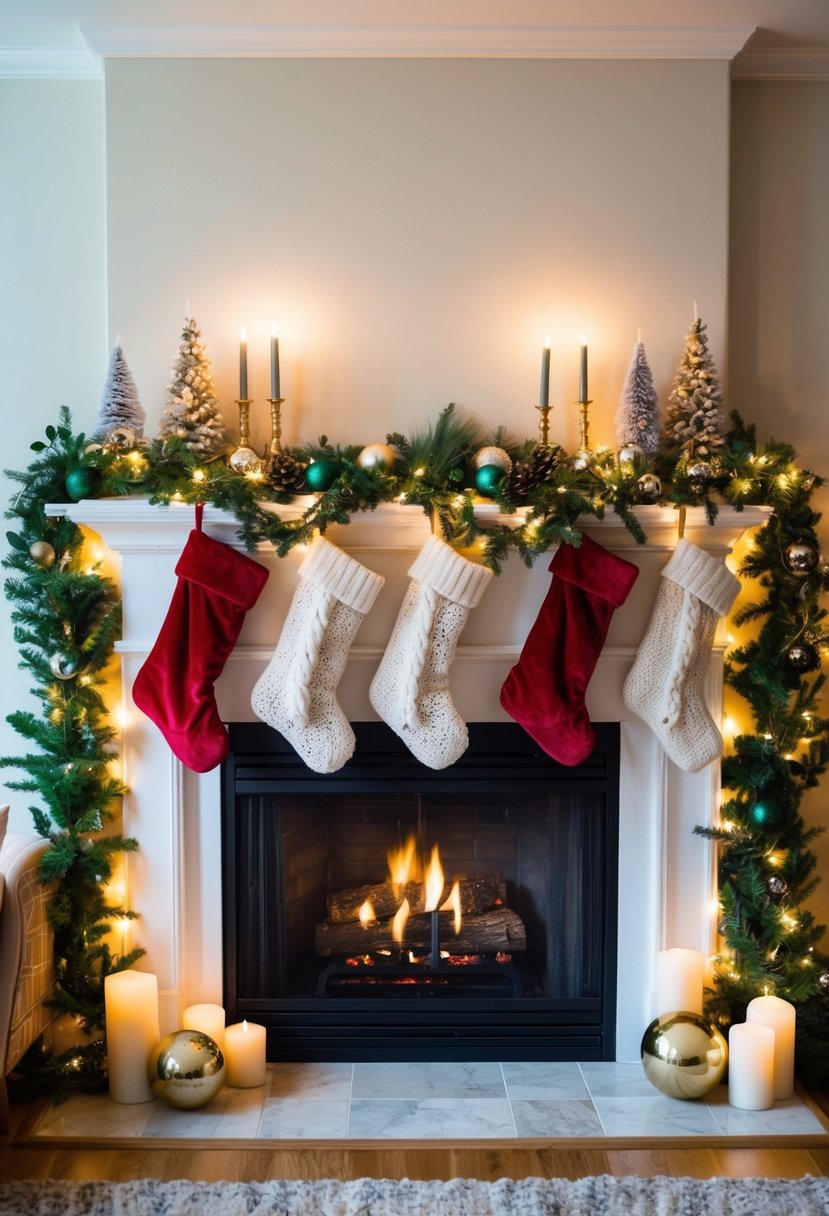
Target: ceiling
x=782 y=38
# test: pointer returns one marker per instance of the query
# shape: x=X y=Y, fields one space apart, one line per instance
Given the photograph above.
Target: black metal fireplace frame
x=327 y=1029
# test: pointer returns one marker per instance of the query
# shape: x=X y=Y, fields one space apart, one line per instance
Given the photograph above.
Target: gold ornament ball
x=186 y=1069
x=43 y=553
x=683 y=1055
x=493 y=455
x=244 y=460
x=377 y=456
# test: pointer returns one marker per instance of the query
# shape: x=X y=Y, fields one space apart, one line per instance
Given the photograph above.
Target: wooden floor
x=399 y=1160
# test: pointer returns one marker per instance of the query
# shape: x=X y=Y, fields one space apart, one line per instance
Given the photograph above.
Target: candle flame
x=274 y=330
x=366 y=913
x=398 y=924
x=433 y=886
x=244 y=1026
x=452 y=903
x=242 y=335
x=548 y=341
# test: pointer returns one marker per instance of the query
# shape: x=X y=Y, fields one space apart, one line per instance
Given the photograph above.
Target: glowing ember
x=366 y=913
x=433 y=886
x=452 y=903
x=403 y=864
x=398 y=924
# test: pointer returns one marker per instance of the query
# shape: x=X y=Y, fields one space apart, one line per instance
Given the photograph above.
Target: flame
x=403 y=864
x=366 y=913
x=452 y=903
x=398 y=924
x=433 y=886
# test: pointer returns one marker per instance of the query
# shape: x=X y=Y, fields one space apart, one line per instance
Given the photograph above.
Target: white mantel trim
x=421 y=40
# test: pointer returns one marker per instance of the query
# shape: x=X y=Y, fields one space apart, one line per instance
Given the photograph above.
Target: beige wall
x=416 y=228
x=779 y=302
x=52 y=296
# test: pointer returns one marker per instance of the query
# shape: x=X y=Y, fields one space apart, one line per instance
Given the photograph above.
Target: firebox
x=391 y=912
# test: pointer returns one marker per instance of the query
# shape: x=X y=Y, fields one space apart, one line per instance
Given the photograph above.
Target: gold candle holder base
x=244 y=459
x=584 y=454
x=276 y=424
x=544 y=425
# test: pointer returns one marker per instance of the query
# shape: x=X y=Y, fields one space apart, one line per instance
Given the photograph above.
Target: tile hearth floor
x=454 y=1101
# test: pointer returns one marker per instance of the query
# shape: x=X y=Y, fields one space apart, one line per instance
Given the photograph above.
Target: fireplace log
x=477 y=895
x=498 y=929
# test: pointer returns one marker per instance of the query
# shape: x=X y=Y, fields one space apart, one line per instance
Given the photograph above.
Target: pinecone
x=534 y=471
x=285 y=474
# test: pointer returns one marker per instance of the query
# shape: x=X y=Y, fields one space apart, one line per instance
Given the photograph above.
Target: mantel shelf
x=127 y=524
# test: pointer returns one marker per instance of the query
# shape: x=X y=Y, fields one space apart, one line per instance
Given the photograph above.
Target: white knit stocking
x=410 y=690
x=296 y=694
x=665 y=685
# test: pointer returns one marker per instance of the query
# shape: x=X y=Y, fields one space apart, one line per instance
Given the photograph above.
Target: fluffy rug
x=603 y=1196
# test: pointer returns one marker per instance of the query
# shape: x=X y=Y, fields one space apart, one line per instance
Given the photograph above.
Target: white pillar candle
x=780 y=1015
x=209 y=1019
x=751 y=1066
x=245 y=1055
x=131 y=1002
x=679 y=980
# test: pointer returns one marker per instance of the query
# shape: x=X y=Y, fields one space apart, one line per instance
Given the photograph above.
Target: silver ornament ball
x=683 y=1054
x=700 y=472
x=63 y=666
x=823 y=980
x=120 y=438
x=631 y=453
x=650 y=487
x=244 y=460
x=493 y=455
x=800 y=557
x=186 y=1069
x=377 y=456
x=43 y=553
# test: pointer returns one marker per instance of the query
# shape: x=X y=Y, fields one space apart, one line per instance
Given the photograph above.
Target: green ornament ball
x=765 y=815
x=488 y=478
x=321 y=475
x=80 y=483
x=493 y=455
x=377 y=456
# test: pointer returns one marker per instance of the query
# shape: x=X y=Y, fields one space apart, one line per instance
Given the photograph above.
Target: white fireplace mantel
x=666 y=874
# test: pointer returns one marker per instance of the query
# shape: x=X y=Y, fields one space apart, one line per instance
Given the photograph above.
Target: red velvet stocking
x=216 y=587
x=545 y=690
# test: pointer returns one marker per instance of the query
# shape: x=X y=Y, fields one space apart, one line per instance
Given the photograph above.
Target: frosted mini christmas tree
x=637 y=419
x=694 y=420
x=193 y=413
x=120 y=408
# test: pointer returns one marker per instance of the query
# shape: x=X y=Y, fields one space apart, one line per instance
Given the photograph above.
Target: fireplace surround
x=665 y=874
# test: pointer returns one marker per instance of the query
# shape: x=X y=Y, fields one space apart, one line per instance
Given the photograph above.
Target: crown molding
x=782 y=63
x=118 y=39
x=52 y=63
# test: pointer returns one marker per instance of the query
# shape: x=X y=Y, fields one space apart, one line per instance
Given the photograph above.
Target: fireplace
x=666 y=875
x=528 y=971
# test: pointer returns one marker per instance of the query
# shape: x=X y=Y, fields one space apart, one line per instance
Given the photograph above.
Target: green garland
x=66 y=619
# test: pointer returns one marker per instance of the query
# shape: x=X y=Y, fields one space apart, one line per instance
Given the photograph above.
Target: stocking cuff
x=335 y=572
x=595 y=570
x=221 y=570
x=703 y=575
x=446 y=571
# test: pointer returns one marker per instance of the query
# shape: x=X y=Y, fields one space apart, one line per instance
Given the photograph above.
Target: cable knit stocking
x=411 y=688
x=665 y=685
x=296 y=694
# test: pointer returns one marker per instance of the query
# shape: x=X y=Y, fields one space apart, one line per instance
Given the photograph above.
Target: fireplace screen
x=390 y=911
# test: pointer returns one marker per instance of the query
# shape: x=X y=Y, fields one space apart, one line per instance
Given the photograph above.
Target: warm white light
x=242 y=336
x=366 y=913
x=433 y=886
x=403 y=864
x=199 y=475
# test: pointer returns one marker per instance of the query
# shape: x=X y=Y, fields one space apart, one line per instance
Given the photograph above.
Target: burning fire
x=404 y=865
x=366 y=913
x=452 y=903
x=398 y=924
x=433 y=886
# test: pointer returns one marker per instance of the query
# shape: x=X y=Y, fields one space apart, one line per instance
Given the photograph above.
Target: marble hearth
x=666 y=874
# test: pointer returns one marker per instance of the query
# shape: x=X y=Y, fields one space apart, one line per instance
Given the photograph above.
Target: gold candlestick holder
x=584 y=452
x=276 y=424
x=544 y=424
x=244 y=459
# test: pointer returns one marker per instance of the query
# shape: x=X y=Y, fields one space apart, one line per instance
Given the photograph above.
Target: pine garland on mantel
x=66 y=618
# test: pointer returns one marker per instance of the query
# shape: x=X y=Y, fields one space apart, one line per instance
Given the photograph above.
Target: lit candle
x=679 y=981
x=131 y=1003
x=544 y=394
x=275 y=365
x=583 y=372
x=243 y=366
x=751 y=1066
x=209 y=1019
x=245 y=1055
x=780 y=1016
